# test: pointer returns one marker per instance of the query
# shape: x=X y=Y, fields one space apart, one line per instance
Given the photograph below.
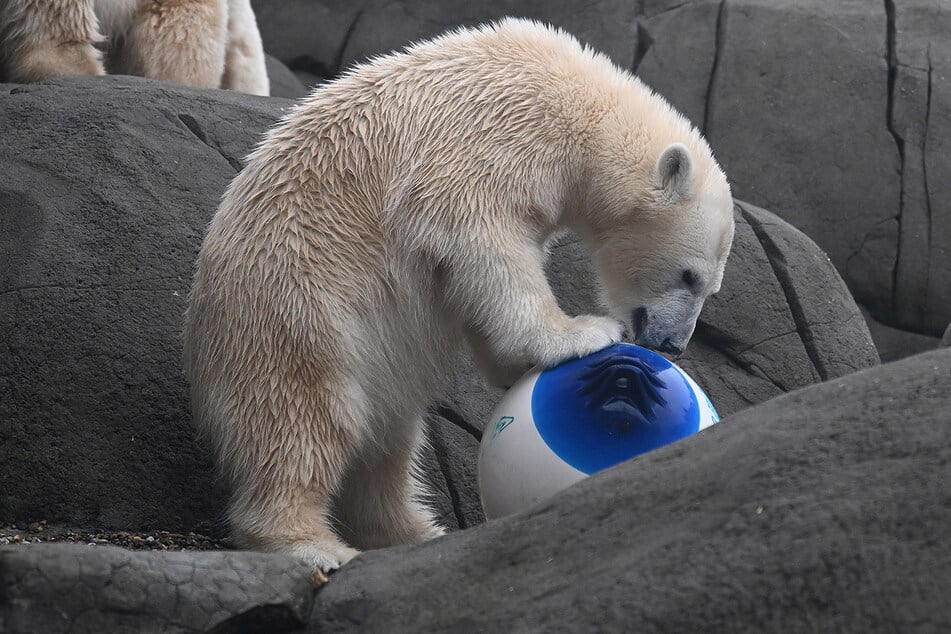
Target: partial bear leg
x=381 y=503
x=291 y=519
x=47 y=38
x=286 y=446
x=176 y=40
x=511 y=307
x=244 y=58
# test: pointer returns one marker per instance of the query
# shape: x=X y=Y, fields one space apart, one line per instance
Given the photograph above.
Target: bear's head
x=661 y=231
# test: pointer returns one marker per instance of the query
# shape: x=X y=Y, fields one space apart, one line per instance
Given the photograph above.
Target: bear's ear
x=674 y=171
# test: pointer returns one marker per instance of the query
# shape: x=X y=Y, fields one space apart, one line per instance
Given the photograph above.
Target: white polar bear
x=203 y=43
x=400 y=207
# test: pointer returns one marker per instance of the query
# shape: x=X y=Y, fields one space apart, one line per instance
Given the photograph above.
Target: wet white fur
x=397 y=211
x=203 y=43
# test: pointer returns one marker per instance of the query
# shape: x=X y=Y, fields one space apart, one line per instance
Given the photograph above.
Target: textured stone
x=77 y=588
x=283 y=82
x=108 y=185
x=821 y=510
x=920 y=121
x=325 y=37
x=895 y=343
x=805 y=146
x=946 y=339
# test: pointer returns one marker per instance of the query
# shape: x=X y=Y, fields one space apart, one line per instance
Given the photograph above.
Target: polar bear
x=404 y=207
x=202 y=43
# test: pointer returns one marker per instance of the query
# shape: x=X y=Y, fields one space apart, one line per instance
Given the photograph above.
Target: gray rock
x=894 y=343
x=820 y=510
x=284 y=83
x=77 y=588
x=325 y=37
x=111 y=182
x=307 y=36
x=946 y=339
x=920 y=121
x=108 y=185
x=795 y=112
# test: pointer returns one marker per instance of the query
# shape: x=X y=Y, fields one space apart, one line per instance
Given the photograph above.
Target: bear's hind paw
x=323 y=557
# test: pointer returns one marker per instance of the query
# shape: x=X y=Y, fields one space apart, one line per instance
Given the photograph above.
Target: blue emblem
x=504 y=422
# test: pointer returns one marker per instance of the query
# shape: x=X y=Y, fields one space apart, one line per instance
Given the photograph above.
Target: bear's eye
x=689 y=279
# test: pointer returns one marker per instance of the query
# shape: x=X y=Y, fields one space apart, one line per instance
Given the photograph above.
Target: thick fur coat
x=202 y=43
x=403 y=209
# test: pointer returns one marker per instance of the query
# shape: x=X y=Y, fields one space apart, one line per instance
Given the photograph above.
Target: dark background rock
x=108 y=185
x=284 y=83
x=832 y=115
x=111 y=183
x=820 y=510
x=79 y=588
x=895 y=343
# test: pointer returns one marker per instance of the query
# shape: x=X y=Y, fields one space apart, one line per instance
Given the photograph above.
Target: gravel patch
x=42 y=532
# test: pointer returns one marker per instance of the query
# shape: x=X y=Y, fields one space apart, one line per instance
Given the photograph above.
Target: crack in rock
x=715 y=68
x=644 y=42
x=924 y=172
x=777 y=260
x=456 y=419
x=338 y=60
x=192 y=125
x=891 y=59
x=441 y=453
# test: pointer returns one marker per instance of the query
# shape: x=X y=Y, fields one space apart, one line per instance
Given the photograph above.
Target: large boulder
x=110 y=183
x=834 y=115
x=821 y=510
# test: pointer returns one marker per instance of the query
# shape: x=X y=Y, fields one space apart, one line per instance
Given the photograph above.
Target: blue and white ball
x=557 y=426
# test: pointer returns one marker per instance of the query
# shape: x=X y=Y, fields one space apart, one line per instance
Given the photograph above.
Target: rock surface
x=67 y=588
x=283 y=82
x=821 y=510
x=111 y=183
x=946 y=339
x=834 y=115
x=894 y=343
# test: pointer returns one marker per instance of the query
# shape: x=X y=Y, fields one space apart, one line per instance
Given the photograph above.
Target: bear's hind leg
x=244 y=58
x=288 y=460
x=295 y=522
x=381 y=503
x=48 y=39
x=182 y=41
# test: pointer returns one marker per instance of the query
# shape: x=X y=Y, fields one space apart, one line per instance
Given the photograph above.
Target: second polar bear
x=406 y=206
x=202 y=43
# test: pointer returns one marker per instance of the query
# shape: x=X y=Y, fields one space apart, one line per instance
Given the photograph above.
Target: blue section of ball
x=600 y=410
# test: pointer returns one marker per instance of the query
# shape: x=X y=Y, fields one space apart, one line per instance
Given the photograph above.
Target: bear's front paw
x=584 y=334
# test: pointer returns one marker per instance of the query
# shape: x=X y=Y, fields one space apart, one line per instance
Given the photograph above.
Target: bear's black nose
x=639 y=319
